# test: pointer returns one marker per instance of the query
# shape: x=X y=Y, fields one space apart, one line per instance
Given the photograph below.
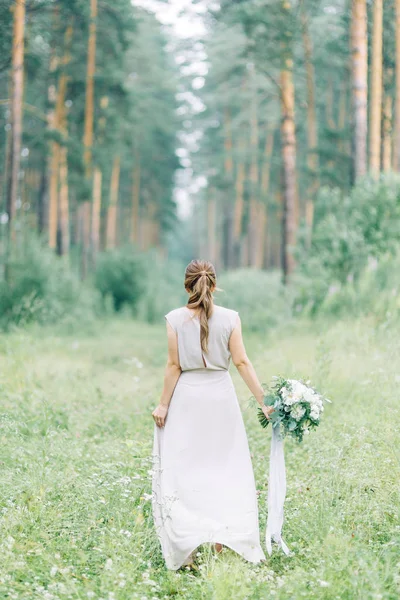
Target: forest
x=264 y=136
x=280 y=125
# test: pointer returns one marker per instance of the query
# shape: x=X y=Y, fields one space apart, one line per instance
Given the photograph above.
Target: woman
x=203 y=480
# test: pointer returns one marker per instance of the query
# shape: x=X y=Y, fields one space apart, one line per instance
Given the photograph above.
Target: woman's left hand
x=268 y=410
x=159 y=415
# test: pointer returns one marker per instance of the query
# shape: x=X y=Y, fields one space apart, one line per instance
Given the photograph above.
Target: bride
x=203 y=480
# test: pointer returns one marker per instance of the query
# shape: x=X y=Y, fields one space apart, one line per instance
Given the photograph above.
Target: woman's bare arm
x=171 y=376
x=245 y=367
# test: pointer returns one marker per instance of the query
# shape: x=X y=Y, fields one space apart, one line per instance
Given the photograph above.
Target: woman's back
x=186 y=324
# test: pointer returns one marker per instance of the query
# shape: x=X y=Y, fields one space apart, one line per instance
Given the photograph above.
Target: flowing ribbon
x=276 y=493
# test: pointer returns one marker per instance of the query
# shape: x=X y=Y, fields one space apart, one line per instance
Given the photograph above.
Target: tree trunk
x=330 y=90
x=212 y=225
x=288 y=149
x=229 y=207
x=95 y=226
x=312 y=132
x=16 y=111
x=359 y=84
x=239 y=198
x=254 y=175
x=41 y=201
x=396 y=146
x=46 y=211
x=135 y=224
x=111 y=232
x=343 y=146
x=58 y=162
x=88 y=131
x=263 y=223
x=387 y=134
x=8 y=153
x=153 y=236
x=376 y=91
x=64 y=203
x=96 y=211
x=53 y=193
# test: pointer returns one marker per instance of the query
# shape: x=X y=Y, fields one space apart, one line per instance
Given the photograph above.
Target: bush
x=349 y=231
x=42 y=287
x=120 y=274
x=259 y=296
x=164 y=289
x=376 y=292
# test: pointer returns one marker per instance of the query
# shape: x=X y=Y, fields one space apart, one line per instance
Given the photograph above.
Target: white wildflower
x=126 y=532
x=108 y=564
x=125 y=480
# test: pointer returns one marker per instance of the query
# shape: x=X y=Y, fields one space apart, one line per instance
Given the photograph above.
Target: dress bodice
x=186 y=324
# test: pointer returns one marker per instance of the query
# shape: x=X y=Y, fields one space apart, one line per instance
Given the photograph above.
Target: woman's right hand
x=159 y=415
x=267 y=410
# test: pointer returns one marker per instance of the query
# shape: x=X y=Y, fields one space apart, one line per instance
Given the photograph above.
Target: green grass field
x=76 y=436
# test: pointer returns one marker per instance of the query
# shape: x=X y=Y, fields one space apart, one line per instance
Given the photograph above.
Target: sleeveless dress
x=203 y=480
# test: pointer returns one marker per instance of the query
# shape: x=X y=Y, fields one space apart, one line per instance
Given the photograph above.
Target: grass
x=75 y=479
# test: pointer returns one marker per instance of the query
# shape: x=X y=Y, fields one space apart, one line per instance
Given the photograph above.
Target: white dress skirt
x=203 y=480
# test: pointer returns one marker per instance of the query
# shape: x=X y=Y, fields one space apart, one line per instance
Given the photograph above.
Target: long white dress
x=203 y=480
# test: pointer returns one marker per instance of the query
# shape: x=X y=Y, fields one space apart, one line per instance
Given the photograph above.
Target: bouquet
x=297 y=407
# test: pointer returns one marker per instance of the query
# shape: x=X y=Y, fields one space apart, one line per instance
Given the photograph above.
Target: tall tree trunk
x=239 y=197
x=254 y=175
x=153 y=236
x=53 y=193
x=111 y=232
x=360 y=86
x=376 y=91
x=212 y=225
x=53 y=170
x=95 y=225
x=59 y=163
x=330 y=90
x=288 y=149
x=312 y=132
x=8 y=152
x=263 y=223
x=387 y=134
x=46 y=211
x=229 y=206
x=96 y=211
x=88 y=131
x=135 y=223
x=342 y=116
x=396 y=146
x=64 y=203
x=16 y=111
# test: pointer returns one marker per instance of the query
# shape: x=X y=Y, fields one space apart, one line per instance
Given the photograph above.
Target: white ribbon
x=276 y=493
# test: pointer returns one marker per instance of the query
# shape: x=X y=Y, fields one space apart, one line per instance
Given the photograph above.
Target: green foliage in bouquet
x=297 y=407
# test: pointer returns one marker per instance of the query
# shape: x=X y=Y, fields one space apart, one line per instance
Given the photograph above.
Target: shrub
x=259 y=296
x=119 y=274
x=349 y=231
x=42 y=287
x=163 y=288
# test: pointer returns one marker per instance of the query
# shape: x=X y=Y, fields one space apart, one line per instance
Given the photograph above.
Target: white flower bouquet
x=297 y=407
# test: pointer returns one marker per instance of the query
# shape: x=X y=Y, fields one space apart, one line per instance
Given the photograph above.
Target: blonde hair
x=200 y=279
